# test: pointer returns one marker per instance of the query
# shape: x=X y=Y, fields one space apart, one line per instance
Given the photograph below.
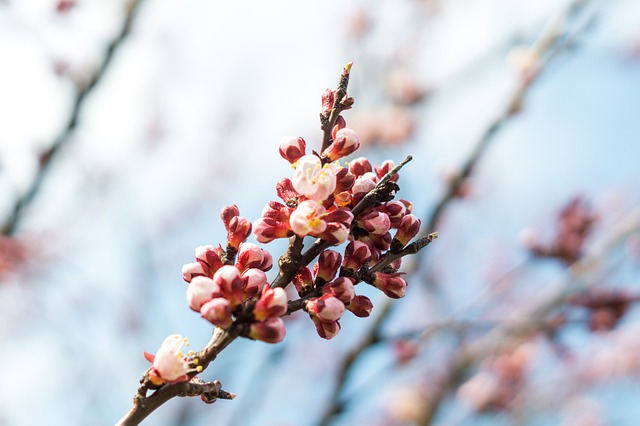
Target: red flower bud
x=209 y=258
x=385 y=168
x=327 y=101
x=393 y=285
x=252 y=256
x=266 y=229
x=327 y=266
x=270 y=330
x=335 y=233
x=218 y=312
x=356 y=255
x=395 y=210
x=228 y=213
x=272 y=303
x=253 y=280
x=286 y=192
x=326 y=330
x=303 y=281
x=277 y=211
x=327 y=308
x=291 y=148
x=345 y=142
x=360 y=306
x=342 y=288
x=239 y=230
x=228 y=278
x=409 y=228
x=344 y=180
x=375 y=222
x=360 y=166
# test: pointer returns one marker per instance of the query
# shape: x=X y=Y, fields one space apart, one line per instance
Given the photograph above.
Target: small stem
x=339 y=105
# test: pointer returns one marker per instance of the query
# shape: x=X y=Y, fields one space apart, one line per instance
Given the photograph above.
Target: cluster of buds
x=605 y=307
x=221 y=289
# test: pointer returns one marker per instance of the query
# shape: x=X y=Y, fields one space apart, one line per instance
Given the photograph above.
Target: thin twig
x=47 y=157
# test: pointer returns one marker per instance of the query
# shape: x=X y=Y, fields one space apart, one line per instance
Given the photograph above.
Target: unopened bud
x=200 y=291
x=342 y=288
x=218 y=312
x=270 y=330
x=291 y=148
x=408 y=229
x=238 y=231
x=272 y=303
x=360 y=306
x=327 y=266
x=228 y=213
x=326 y=307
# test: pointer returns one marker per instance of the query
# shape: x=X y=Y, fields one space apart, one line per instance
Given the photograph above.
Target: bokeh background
x=134 y=122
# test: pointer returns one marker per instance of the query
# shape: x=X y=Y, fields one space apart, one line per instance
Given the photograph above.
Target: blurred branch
x=47 y=157
x=549 y=44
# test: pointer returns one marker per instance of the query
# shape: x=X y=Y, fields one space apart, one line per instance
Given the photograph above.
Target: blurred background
x=125 y=126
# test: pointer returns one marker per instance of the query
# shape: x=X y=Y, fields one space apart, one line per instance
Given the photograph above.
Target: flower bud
x=228 y=278
x=209 y=257
x=272 y=303
x=360 y=306
x=356 y=255
x=327 y=266
x=286 y=192
x=277 y=211
x=218 y=312
x=362 y=185
x=327 y=101
x=326 y=330
x=395 y=210
x=381 y=242
x=192 y=270
x=253 y=280
x=292 y=148
x=342 y=288
x=385 y=168
x=326 y=307
x=344 y=180
x=409 y=228
x=303 y=281
x=341 y=123
x=335 y=233
x=252 y=256
x=345 y=142
x=375 y=222
x=228 y=213
x=360 y=166
x=239 y=230
x=270 y=330
x=393 y=285
x=200 y=291
x=266 y=229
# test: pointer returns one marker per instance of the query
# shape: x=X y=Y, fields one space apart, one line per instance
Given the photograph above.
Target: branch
x=47 y=157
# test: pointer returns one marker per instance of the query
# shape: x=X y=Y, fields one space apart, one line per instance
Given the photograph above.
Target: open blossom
x=170 y=365
x=312 y=179
x=308 y=218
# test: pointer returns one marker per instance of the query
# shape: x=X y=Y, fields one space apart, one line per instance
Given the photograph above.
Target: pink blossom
x=228 y=278
x=200 y=291
x=271 y=330
x=209 y=257
x=292 y=148
x=335 y=233
x=307 y=218
x=218 y=312
x=360 y=166
x=344 y=179
x=312 y=179
x=272 y=303
x=395 y=210
x=326 y=308
x=169 y=363
x=385 y=168
x=362 y=185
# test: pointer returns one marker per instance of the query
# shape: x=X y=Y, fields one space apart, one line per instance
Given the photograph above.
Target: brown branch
x=47 y=157
x=341 y=102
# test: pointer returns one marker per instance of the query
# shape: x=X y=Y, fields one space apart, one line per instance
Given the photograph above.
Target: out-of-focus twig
x=46 y=158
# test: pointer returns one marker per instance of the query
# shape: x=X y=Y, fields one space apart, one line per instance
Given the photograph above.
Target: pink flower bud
x=342 y=288
x=239 y=230
x=218 y=312
x=252 y=281
x=327 y=266
x=209 y=258
x=307 y=218
x=228 y=278
x=362 y=185
x=385 y=168
x=270 y=330
x=341 y=123
x=326 y=307
x=335 y=233
x=252 y=256
x=409 y=228
x=408 y=204
x=393 y=285
x=272 y=303
x=381 y=242
x=341 y=215
x=312 y=179
x=200 y=291
x=375 y=222
x=326 y=330
x=286 y=192
x=266 y=229
x=169 y=363
x=303 y=281
x=292 y=148
x=228 y=213
x=327 y=101
x=395 y=210
x=356 y=255
x=360 y=166
x=192 y=270
x=277 y=211
x=360 y=306
x=344 y=180
x=345 y=142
